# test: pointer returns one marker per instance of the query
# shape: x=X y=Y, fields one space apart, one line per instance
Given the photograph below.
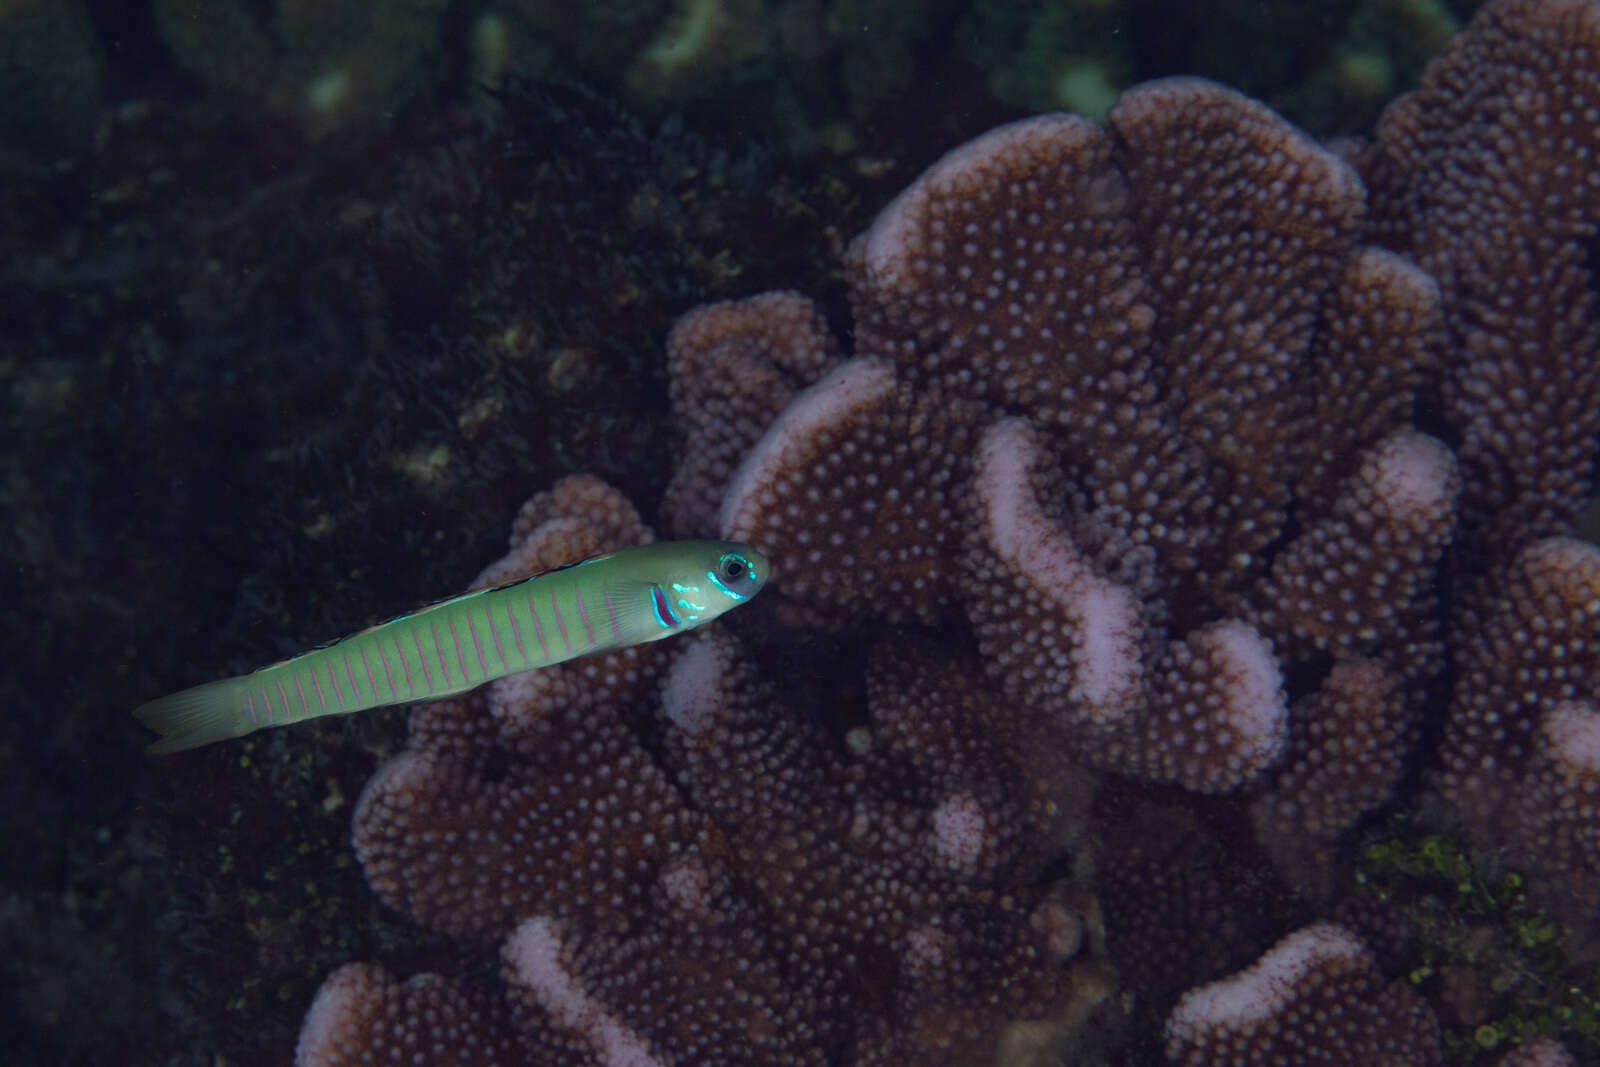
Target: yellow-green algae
x=1479 y=935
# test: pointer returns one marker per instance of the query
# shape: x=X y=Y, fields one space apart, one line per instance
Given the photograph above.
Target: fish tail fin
x=194 y=717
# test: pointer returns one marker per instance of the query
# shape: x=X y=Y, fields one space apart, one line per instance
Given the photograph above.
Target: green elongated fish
x=626 y=598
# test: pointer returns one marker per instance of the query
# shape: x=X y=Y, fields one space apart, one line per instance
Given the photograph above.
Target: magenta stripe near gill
x=322 y=700
x=665 y=614
x=300 y=690
x=287 y=716
x=250 y=706
x=338 y=694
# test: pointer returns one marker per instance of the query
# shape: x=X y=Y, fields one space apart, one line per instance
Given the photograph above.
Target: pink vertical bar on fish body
x=538 y=631
x=583 y=616
x=461 y=656
x=422 y=658
x=370 y=677
x=439 y=648
x=561 y=624
x=611 y=614
x=516 y=632
x=477 y=645
x=338 y=694
x=405 y=665
x=355 y=690
x=494 y=632
x=388 y=672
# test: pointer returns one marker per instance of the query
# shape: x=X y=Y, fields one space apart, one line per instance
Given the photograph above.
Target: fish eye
x=734 y=567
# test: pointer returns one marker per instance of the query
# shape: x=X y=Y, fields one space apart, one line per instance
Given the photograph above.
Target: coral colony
x=1185 y=487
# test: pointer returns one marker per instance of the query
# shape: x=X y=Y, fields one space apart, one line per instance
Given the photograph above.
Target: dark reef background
x=299 y=301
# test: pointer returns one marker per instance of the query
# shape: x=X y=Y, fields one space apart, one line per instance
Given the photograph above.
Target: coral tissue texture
x=1184 y=488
